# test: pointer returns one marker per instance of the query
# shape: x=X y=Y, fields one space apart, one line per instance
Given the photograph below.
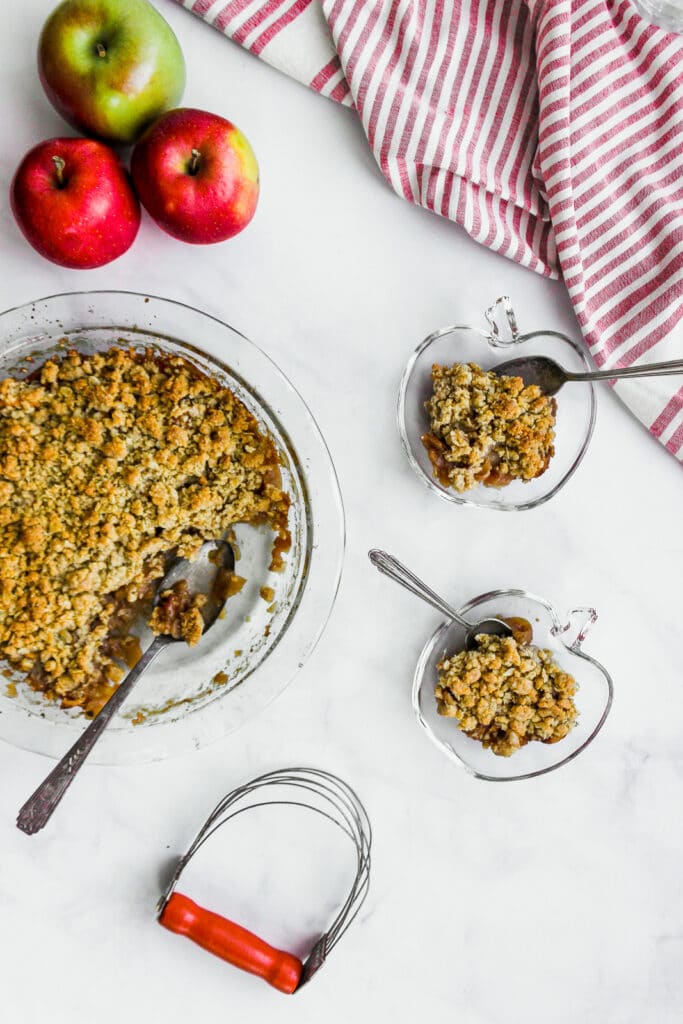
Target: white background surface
x=552 y=901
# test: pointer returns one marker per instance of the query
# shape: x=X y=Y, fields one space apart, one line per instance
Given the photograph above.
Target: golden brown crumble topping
x=506 y=694
x=108 y=463
x=178 y=613
x=486 y=428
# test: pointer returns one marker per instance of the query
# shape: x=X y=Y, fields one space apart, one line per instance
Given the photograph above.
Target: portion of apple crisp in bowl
x=486 y=428
x=108 y=463
x=506 y=692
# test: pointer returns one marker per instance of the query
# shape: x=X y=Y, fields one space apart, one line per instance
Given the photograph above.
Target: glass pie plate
x=565 y=639
x=184 y=700
x=576 y=404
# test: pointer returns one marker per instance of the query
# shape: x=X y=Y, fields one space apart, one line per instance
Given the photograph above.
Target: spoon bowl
x=208 y=574
x=549 y=376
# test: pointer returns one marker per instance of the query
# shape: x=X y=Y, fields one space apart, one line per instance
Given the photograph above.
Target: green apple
x=110 y=67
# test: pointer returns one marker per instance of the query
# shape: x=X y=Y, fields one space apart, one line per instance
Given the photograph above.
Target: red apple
x=196 y=175
x=73 y=201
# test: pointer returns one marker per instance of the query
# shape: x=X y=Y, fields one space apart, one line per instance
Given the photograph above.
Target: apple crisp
x=486 y=428
x=108 y=463
x=178 y=613
x=506 y=693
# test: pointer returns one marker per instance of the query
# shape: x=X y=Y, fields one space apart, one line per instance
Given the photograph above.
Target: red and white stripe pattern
x=551 y=130
x=292 y=35
x=610 y=156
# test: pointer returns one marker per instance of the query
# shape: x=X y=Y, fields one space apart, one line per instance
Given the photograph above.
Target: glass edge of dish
x=431 y=643
x=452 y=497
x=332 y=590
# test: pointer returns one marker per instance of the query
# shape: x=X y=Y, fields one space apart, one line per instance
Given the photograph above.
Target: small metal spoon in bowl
x=550 y=376
x=214 y=561
x=395 y=570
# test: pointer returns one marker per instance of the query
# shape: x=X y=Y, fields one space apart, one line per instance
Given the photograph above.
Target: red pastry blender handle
x=231 y=942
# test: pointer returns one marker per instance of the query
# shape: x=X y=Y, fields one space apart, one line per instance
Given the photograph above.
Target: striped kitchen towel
x=551 y=130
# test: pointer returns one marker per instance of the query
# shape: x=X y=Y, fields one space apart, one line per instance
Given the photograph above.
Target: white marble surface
x=556 y=900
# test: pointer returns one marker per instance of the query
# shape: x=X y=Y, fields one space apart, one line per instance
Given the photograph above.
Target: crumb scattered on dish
x=268 y=594
x=108 y=463
x=485 y=428
x=220 y=678
x=506 y=693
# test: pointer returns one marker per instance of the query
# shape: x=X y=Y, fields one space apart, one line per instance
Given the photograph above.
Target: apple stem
x=100 y=49
x=194 y=161
x=59 y=170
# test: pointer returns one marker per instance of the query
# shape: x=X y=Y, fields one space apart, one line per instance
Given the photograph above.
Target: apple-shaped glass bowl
x=576 y=404
x=564 y=638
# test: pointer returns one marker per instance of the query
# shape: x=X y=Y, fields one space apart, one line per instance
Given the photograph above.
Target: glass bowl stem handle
x=575 y=630
x=504 y=306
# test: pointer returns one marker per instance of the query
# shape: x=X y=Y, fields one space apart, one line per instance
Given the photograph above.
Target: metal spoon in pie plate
x=550 y=376
x=204 y=576
x=395 y=570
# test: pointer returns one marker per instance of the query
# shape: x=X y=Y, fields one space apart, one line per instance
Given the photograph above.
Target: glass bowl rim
x=495 y=341
x=333 y=584
x=557 y=629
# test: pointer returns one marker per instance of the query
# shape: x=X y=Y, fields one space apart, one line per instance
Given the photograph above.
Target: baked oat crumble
x=178 y=613
x=506 y=694
x=486 y=428
x=108 y=463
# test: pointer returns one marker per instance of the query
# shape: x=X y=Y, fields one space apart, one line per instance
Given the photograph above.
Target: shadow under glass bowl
x=190 y=697
x=593 y=698
x=576 y=406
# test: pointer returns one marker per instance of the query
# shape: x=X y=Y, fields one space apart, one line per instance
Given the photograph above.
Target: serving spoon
x=550 y=376
x=202 y=575
x=396 y=571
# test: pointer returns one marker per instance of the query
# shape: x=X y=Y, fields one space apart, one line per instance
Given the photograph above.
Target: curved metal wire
x=328 y=796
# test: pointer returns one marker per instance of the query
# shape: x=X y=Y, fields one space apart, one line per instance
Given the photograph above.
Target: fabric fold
x=550 y=130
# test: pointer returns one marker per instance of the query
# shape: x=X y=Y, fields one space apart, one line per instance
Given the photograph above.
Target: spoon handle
x=644 y=370
x=39 y=807
x=395 y=570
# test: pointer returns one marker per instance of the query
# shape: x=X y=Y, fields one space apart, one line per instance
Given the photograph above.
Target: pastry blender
x=309 y=788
